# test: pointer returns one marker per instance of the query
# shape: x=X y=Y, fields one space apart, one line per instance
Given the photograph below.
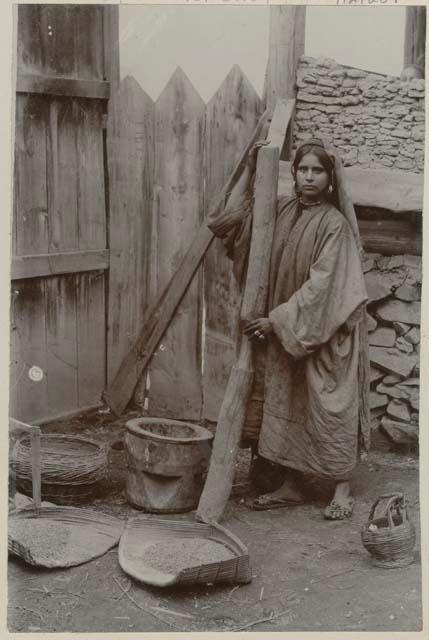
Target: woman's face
x=311 y=177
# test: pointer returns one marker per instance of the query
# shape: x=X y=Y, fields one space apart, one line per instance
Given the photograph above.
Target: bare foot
x=341 y=505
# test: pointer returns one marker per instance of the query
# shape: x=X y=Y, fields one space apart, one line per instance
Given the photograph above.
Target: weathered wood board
x=91 y=338
x=231 y=116
x=286 y=45
x=62 y=176
x=90 y=175
x=391 y=237
x=30 y=180
x=28 y=397
x=51 y=264
x=130 y=140
x=61 y=343
x=62 y=40
x=59 y=321
x=175 y=372
x=232 y=416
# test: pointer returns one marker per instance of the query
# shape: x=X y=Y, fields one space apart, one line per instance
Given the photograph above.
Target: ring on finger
x=257 y=333
x=261 y=336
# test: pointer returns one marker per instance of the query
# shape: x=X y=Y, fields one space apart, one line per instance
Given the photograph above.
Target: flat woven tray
x=143 y=532
x=55 y=537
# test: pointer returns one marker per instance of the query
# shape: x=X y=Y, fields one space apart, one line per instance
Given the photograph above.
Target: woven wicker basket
x=71 y=467
x=144 y=531
x=390 y=538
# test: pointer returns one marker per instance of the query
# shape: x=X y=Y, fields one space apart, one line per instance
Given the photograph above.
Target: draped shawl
x=308 y=406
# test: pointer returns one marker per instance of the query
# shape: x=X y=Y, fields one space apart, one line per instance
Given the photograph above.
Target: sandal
x=339 y=510
x=267 y=501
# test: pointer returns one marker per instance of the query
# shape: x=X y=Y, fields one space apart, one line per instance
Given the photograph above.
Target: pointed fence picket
x=175 y=372
x=130 y=152
x=231 y=117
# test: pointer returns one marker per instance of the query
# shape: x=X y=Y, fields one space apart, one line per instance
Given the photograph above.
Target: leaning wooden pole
x=415 y=37
x=233 y=410
x=286 y=46
x=36 y=473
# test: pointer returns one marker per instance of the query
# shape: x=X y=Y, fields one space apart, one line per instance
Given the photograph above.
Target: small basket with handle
x=390 y=538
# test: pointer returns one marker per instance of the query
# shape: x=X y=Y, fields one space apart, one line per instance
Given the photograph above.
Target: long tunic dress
x=306 y=386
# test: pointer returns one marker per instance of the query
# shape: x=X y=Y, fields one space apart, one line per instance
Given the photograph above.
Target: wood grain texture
x=15 y=429
x=231 y=117
x=50 y=85
x=90 y=176
x=16 y=426
x=232 y=415
x=391 y=237
x=61 y=343
x=111 y=46
x=286 y=46
x=63 y=40
x=62 y=177
x=175 y=389
x=282 y=117
x=91 y=337
x=30 y=179
x=256 y=289
x=397 y=191
x=233 y=410
x=28 y=398
x=49 y=264
x=130 y=141
x=415 y=36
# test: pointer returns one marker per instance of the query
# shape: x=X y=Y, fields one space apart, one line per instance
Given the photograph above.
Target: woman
x=309 y=400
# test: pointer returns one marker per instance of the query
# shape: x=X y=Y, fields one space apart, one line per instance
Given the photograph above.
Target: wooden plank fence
x=103 y=218
x=192 y=148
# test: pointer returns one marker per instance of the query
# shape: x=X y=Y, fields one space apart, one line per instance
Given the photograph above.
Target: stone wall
x=394 y=292
x=373 y=120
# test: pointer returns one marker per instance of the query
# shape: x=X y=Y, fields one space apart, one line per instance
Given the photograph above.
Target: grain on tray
x=43 y=544
x=55 y=544
x=173 y=556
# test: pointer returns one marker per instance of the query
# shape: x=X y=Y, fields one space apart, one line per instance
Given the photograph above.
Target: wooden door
x=65 y=61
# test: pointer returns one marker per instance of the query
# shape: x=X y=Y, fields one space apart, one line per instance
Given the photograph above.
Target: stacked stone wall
x=394 y=307
x=372 y=120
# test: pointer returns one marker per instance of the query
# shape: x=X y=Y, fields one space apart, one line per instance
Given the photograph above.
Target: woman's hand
x=258 y=329
x=253 y=154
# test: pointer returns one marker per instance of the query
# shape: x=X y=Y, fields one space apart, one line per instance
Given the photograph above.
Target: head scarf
x=345 y=203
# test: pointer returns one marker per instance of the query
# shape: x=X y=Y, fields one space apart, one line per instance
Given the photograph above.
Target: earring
x=330 y=189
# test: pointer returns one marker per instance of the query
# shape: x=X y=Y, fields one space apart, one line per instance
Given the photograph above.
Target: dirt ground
x=308 y=574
